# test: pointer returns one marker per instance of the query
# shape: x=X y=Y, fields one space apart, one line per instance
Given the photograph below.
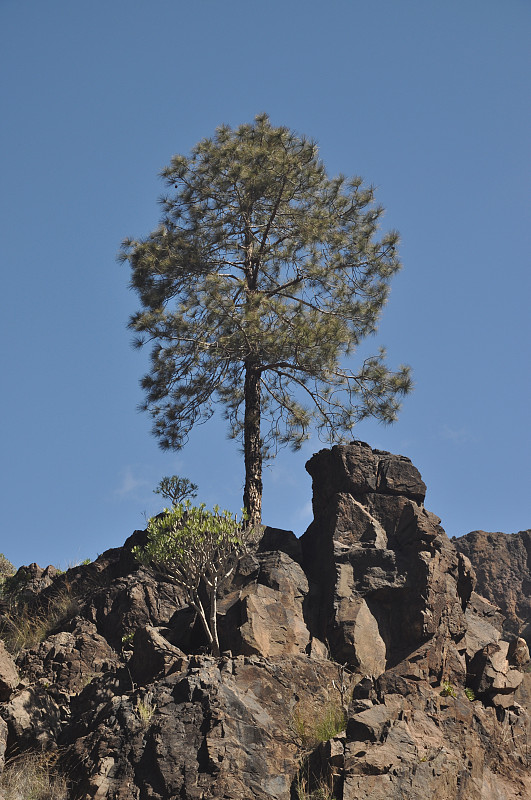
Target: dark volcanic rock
x=502 y=563
x=222 y=728
x=384 y=576
x=428 y=693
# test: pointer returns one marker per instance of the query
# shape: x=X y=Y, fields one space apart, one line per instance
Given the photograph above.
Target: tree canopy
x=258 y=285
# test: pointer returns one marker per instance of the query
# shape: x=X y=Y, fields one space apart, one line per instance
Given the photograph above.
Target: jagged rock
x=153 y=654
x=31 y=580
x=356 y=469
x=68 y=660
x=373 y=546
x=131 y=602
x=120 y=686
x=266 y=616
x=518 y=653
x=9 y=678
x=3 y=744
x=278 y=540
x=503 y=567
x=33 y=719
x=492 y=674
x=214 y=732
x=484 y=624
x=434 y=745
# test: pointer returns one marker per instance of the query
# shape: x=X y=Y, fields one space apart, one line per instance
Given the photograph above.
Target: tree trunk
x=214 y=619
x=252 y=445
x=198 y=605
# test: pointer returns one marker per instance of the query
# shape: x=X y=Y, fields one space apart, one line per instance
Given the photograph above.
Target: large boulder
x=265 y=616
x=381 y=568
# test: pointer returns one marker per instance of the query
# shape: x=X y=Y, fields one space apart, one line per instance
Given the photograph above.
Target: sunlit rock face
x=502 y=563
x=381 y=568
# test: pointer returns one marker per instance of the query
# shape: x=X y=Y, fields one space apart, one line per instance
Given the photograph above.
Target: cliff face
x=502 y=563
x=359 y=663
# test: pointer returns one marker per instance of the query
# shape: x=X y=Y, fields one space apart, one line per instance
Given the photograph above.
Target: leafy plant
x=469 y=693
x=200 y=549
x=447 y=690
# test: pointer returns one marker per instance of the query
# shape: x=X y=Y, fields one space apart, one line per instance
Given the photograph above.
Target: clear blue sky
x=427 y=100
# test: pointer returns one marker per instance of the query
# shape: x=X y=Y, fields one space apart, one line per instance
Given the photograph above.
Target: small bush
x=7 y=570
x=6 y=567
x=32 y=777
x=447 y=690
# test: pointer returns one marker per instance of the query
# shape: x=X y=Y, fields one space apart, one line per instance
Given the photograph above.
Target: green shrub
x=145 y=710
x=447 y=690
x=6 y=567
x=200 y=549
x=7 y=570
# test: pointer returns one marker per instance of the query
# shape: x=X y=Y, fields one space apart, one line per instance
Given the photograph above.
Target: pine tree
x=263 y=275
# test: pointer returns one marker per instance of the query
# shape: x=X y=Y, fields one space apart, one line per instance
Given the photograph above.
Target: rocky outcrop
x=384 y=575
x=502 y=563
x=358 y=662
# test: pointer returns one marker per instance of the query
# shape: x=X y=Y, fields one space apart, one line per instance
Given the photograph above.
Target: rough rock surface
x=502 y=563
x=9 y=678
x=360 y=662
x=384 y=575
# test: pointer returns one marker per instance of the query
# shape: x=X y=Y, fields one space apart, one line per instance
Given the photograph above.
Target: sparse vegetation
x=312 y=726
x=176 y=489
x=127 y=639
x=447 y=690
x=470 y=694
x=32 y=777
x=145 y=710
x=23 y=626
x=318 y=720
x=6 y=567
x=321 y=792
